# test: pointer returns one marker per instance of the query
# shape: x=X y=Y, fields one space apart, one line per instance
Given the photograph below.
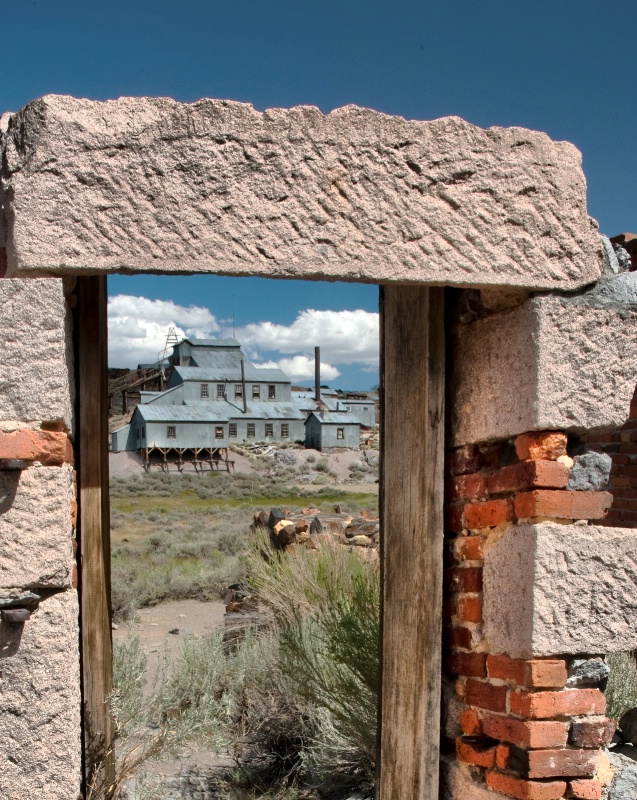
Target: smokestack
x=317 y=374
x=243 y=388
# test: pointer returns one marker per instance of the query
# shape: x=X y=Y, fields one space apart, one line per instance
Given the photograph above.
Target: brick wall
x=530 y=728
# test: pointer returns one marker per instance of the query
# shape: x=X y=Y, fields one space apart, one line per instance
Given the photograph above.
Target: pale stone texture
x=40 y=708
x=150 y=184
x=550 y=363
x=460 y=782
x=552 y=589
x=35 y=357
x=35 y=528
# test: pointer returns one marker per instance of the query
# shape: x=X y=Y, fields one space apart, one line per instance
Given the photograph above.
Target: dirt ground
x=153 y=626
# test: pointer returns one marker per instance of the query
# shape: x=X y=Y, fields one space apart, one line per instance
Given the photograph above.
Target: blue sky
x=568 y=67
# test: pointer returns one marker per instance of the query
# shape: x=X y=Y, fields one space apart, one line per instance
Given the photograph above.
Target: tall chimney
x=317 y=374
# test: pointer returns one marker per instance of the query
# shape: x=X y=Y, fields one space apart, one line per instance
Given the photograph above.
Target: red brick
x=502 y=755
x=586 y=789
x=546 y=445
x=471 y=664
x=487 y=514
x=528 y=475
x=50 y=447
x=465 y=459
x=523 y=789
x=524 y=733
x=466 y=487
x=562 y=763
x=475 y=750
x=470 y=722
x=74 y=513
x=464 y=579
x=454 y=518
x=459 y=637
x=545 y=705
x=537 y=673
x=468 y=548
x=569 y=505
x=592 y=733
x=469 y=608
x=486 y=695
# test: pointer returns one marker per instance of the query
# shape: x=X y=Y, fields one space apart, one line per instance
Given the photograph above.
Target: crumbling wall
x=39 y=658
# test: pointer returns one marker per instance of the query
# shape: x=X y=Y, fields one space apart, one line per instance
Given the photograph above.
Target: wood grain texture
x=94 y=531
x=412 y=380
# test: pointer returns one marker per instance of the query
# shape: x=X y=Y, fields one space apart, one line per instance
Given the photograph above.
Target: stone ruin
x=542 y=336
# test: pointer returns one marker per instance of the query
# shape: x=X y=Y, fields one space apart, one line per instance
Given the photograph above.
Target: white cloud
x=300 y=368
x=345 y=337
x=137 y=327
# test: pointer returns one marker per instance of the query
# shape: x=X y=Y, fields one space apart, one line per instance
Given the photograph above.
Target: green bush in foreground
x=621 y=691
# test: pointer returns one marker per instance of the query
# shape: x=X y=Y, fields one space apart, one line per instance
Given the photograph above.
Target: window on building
x=272 y=392
x=219 y=432
x=171 y=432
x=340 y=433
x=285 y=430
x=204 y=391
x=256 y=391
x=238 y=391
x=220 y=392
x=251 y=430
x=232 y=429
x=269 y=429
x=144 y=432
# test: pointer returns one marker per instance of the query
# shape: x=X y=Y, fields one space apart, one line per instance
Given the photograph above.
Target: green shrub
x=322 y=465
x=621 y=691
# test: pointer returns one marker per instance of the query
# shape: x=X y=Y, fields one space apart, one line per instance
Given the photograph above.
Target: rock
x=624 y=783
x=316 y=526
x=611 y=264
x=623 y=258
x=587 y=672
x=174 y=631
x=590 y=472
x=360 y=540
x=311 y=180
x=582 y=598
x=628 y=726
x=286 y=458
x=566 y=460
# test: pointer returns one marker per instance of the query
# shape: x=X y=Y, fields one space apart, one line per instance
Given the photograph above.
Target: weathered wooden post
x=411 y=503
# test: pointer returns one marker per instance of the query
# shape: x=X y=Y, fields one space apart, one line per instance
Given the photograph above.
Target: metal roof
x=256 y=409
x=213 y=412
x=220 y=373
x=210 y=342
x=335 y=418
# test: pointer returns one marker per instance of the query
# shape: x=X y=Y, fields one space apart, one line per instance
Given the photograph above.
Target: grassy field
x=175 y=536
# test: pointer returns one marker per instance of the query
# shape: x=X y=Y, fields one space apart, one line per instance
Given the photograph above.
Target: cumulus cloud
x=137 y=327
x=301 y=368
x=345 y=337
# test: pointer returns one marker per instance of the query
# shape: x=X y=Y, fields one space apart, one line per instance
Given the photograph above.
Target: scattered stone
x=587 y=672
x=174 y=631
x=360 y=540
x=590 y=472
x=624 y=783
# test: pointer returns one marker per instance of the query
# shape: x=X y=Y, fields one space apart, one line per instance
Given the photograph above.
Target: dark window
x=232 y=429
x=251 y=429
x=144 y=432
x=269 y=429
x=220 y=388
x=171 y=432
x=238 y=391
x=204 y=391
x=340 y=433
x=285 y=431
x=256 y=391
x=219 y=432
x=271 y=392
